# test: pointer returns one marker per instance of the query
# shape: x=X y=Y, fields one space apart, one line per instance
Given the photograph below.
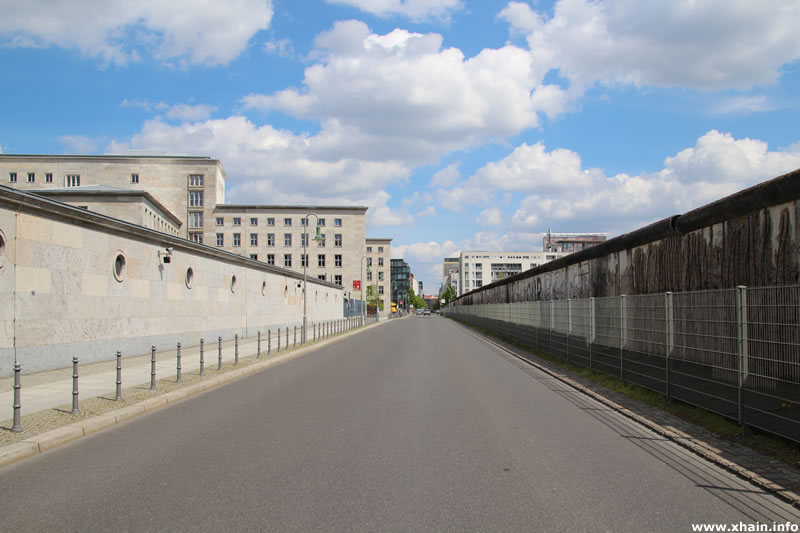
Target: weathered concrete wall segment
x=65 y=293
x=749 y=238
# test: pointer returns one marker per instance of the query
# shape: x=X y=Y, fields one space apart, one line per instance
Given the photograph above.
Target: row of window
x=270 y=221
x=70 y=180
x=287 y=260
x=287 y=238
x=369 y=249
x=369 y=261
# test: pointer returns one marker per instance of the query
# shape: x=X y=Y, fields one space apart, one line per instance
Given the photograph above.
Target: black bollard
x=75 y=410
x=178 y=369
x=118 y=397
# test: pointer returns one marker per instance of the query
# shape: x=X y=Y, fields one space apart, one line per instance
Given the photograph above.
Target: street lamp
x=318 y=237
x=361 y=288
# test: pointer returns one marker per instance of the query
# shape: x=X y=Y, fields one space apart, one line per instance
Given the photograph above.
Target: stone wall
x=749 y=238
x=74 y=282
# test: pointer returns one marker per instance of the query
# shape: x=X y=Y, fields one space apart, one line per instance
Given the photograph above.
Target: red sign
x=357 y=284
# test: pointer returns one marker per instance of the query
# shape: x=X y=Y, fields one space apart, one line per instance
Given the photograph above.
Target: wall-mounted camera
x=167 y=255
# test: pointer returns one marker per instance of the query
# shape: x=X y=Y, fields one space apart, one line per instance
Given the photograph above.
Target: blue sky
x=463 y=125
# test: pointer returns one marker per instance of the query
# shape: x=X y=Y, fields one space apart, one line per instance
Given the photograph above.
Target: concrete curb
x=682 y=439
x=49 y=440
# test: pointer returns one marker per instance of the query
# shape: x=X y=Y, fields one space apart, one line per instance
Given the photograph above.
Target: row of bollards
x=322 y=330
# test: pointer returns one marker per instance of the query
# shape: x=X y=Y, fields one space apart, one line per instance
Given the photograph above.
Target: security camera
x=169 y=249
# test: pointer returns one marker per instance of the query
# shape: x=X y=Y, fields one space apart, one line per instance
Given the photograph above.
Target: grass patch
x=773 y=446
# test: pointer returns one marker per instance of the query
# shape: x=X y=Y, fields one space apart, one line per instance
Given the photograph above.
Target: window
x=71 y=180
x=321 y=277
x=322 y=222
x=270 y=221
x=270 y=239
x=195 y=219
x=380 y=289
x=303 y=239
x=195 y=198
x=369 y=276
x=304 y=222
x=380 y=275
x=237 y=221
x=254 y=239
x=287 y=260
x=254 y=221
x=303 y=260
x=196 y=237
x=48 y=177
x=287 y=221
x=337 y=222
x=380 y=261
x=369 y=261
x=254 y=257
x=220 y=239
x=12 y=177
x=220 y=221
x=337 y=240
x=287 y=239
x=322 y=242
x=134 y=178
x=380 y=249
x=337 y=260
x=321 y=260
x=195 y=180
x=369 y=249
x=237 y=239
x=337 y=279
x=271 y=259
x=31 y=177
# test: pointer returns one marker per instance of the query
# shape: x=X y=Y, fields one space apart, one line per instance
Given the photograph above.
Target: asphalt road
x=415 y=425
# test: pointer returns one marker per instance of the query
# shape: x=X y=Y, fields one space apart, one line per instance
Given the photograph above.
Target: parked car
x=426 y=312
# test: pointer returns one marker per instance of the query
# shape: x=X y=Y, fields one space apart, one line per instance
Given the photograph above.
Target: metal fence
x=735 y=352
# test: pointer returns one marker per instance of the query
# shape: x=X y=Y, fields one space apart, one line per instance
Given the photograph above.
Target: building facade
x=379 y=254
x=479 y=268
x=401 y=282
x=571 y=242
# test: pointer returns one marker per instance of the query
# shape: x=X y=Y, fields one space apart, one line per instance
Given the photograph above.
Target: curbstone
x=96 y=423
x=56 y=437
x=128 y=412
x=17 y=451
x=151 y=404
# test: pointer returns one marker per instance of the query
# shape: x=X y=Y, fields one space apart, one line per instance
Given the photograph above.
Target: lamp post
x=318 y=237
x=361 y=288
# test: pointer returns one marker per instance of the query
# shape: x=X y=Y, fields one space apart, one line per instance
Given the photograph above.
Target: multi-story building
x=379 y=254
x=570 y=242
x=187 y=187
x=401 y=282
x=449 y=265
x=479 y=268
x=185 y=196
x=277 y=234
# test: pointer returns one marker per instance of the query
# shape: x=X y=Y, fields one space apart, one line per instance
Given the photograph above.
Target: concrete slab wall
x=64 y=294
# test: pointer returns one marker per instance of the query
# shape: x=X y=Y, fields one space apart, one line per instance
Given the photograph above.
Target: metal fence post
x=119 y=377
x=592 y=329
x=75 y=409
x=178 y=369
x=569 y=324
x=622 y=335
x=741 y=345
x=670 y=340
x=236 y=349
x=269 y=342
x=202 y=361
x=17 y=426
x=279 y=340
x=314 y=330
x=295 y=337
x=258 y=349
x=287 y=337
x=219 y=353
x=551 y=326
x=152 y=367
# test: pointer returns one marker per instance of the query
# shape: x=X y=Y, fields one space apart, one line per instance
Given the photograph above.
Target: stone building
x=379 y=254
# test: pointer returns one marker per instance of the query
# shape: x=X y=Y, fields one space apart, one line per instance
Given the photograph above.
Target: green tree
x=448 y=294
x=373 y=297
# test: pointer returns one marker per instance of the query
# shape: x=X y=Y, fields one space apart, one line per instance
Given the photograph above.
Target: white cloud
x=447 y=176
x=121 y=31
x=190 y=113
x=145 y=104
x=281 y=47
x=413 y=9
x=490 y=217
x=560 y=193
x=78 y=144
x=429 y=211
x=714 y=44
x=418 y=198
x=744 y=104
x=403 y=94
x=425 y=252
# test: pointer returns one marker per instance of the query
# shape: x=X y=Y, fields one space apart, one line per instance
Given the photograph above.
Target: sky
x=462 y=125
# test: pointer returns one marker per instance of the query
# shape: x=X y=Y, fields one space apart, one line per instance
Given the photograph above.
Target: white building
x=479 y=268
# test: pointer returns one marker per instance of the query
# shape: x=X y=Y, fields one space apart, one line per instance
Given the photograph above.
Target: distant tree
x=373 y=297
x=448 y=294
